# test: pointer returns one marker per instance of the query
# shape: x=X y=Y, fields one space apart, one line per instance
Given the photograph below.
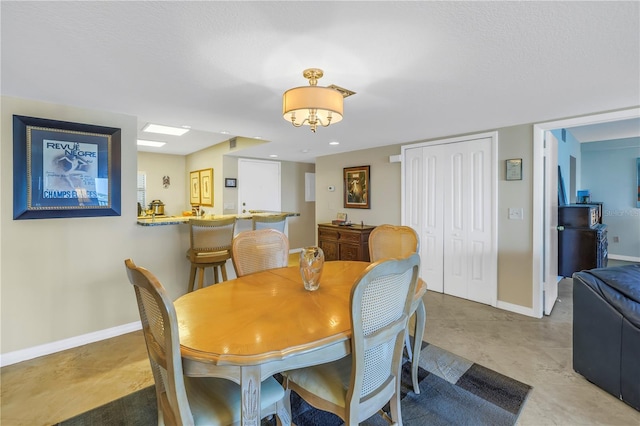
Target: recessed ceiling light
x=165 y=130
x=224 y=132
x=304 y=151
x=334 y=143
x=150 y=143
x=273 y=155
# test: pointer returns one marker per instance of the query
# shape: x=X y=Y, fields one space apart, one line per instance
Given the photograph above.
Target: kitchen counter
x=177 y=220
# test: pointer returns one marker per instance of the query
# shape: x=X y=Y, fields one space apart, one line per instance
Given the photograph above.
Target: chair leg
x=224 y=271
x=418 y=335
x=200 y=278
x=215 y=274
x=192 y=278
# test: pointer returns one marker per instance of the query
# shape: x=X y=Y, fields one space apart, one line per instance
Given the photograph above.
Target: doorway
x=542 y=173
x=258 y=185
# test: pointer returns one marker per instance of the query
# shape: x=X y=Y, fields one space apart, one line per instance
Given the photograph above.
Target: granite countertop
x=177 y=220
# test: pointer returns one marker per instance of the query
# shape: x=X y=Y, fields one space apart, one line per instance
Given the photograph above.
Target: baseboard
x=625 y=258
x=61 y=345
x=516 y=308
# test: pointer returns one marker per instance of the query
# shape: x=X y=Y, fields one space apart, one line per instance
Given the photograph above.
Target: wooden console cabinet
x=344 y=242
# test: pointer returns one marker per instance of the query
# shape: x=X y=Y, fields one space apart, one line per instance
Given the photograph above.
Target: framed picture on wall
x=206 y=187
x=63 y=169
x=357 y=187
x=194 y=185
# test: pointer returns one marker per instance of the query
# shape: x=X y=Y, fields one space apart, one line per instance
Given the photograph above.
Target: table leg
x=250 y=389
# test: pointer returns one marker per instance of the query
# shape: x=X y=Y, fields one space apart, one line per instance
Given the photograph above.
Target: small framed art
x=194 y=185
x=514 y=169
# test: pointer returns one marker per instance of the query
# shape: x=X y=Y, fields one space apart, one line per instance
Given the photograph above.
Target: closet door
x=448 y=201
x=467 y=221
x=424 y=212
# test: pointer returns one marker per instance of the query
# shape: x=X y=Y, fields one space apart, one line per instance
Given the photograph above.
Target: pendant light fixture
x=312 y=105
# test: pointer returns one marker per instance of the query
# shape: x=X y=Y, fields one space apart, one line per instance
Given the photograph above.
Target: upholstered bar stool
x=273 y=221
x=210 y=248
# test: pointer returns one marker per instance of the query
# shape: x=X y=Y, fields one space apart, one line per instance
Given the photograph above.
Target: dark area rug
x=453 y=391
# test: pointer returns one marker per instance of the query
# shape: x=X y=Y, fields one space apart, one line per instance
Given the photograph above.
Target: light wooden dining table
x=252 y=327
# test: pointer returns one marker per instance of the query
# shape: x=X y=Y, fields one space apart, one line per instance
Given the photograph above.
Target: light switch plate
x=516 y=213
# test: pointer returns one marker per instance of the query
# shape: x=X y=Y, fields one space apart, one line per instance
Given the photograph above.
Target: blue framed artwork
x=63 y=169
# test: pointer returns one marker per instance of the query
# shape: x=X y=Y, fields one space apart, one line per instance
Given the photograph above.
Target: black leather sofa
x=606 y=330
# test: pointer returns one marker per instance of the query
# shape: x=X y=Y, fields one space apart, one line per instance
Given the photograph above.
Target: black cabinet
x=582 y=238
x=581 y=248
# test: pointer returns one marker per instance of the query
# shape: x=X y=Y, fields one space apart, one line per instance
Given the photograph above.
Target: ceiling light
x=334 y=143
x=273 y=155
x=143 y=142
x=165 y=130
x=312 y=105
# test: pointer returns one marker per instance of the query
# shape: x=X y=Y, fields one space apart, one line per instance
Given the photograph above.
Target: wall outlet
x=616 y=239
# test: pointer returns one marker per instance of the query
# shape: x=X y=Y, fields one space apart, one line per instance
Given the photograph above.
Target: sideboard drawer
x=354 y=237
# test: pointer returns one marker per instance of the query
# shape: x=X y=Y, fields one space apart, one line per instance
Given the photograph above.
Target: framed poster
x=194 y=185
x=63 y=169
x=206 y=187
x=357 y=188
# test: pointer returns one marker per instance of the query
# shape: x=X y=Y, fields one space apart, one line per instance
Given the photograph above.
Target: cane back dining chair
x=186 y=400
x=360 y=384
x=273 y=221
x=259 y=250
x=400 y=241
x=210 y=248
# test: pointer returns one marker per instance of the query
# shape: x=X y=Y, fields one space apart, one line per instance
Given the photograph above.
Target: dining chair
x=184 y=400
x=359 y=385
x=400 y=241
x=274 y=221
x=210 y=248
x=259 y=250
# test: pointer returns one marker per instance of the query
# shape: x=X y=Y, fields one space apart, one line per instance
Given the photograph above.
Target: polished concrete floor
x=49 y=389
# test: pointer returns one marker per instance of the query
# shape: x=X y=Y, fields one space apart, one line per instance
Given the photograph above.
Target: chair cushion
x=216 y=401
x=329 y=381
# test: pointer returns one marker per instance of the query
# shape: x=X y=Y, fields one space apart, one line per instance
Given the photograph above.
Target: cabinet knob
x=560 y=228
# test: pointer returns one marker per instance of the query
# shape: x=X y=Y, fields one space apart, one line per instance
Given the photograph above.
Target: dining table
x=249 y=328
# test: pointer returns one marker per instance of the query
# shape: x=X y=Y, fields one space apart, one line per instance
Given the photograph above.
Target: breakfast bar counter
x=162 y=220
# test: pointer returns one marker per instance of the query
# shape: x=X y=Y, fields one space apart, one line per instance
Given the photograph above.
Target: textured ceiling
x=420 y=69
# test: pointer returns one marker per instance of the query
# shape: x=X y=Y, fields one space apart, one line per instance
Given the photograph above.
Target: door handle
x=560 y=228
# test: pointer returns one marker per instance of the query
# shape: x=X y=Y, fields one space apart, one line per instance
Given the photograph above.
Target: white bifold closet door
x=448 y=201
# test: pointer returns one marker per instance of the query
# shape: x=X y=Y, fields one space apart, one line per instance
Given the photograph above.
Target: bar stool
x=273 y=221
x=210 y=248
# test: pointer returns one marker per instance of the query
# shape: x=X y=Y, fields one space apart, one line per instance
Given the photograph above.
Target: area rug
x=453 y=391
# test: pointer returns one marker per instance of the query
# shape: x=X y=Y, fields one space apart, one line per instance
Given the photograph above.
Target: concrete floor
x=53 y=388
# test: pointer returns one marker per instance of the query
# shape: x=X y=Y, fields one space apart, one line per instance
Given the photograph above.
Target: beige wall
x=302 y=229
x=158 y=165
x=514 y=237
x=62 y=278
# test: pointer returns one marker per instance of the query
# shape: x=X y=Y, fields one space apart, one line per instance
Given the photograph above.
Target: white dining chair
x=360 y=385
x=400 y=241
x=186 y=400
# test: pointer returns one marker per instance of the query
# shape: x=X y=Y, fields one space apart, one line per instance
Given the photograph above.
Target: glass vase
x=311 y=264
